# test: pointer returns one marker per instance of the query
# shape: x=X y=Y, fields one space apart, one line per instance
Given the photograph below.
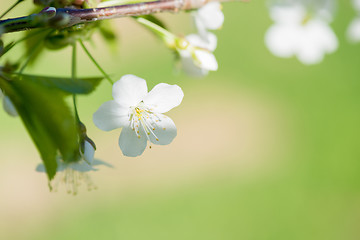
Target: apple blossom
x=196 y=54
x=139 y=114
x=295 y=33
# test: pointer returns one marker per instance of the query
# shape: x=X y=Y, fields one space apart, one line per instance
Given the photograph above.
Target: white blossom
x=208 y=17
x=139 y=114
x=197 y=56
x=8 y=105
x=295 y=33
x=353 y=31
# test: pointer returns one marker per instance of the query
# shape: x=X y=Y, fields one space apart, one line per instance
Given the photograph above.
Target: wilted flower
x=139 y=114
x=295 y=33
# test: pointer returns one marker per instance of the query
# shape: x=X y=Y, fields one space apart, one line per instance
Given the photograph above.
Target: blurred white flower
x=8 y=105
x=294 y=33
x=208 y=17
x=353 y=31
x=139 y=114
x=197 y=56
x=73 y=174
x=356 y=4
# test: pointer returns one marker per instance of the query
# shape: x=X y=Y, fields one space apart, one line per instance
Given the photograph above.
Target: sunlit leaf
x=67 y=85
x=48 y=120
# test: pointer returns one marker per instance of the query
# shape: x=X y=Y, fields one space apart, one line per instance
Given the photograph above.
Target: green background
x=267 y=148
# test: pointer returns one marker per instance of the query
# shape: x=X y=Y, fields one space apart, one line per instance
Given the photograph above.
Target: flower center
x=143 y=118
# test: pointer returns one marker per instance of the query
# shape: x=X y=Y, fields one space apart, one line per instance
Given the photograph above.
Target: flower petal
x=189 y=66
x=206 y=60
x=310 y=55
x=320 y=33
x=111 y=115
x=129 y=90
x=211 y=15
x=282 y=40
x=163 y=97
x=356 y=4
x=9 y=106
x=40 y=168
x=165 y=131
x=207 y=41
x=316 y=40
x=89 y=152
x=353 y=31
x=287 y=14
x=130 y=144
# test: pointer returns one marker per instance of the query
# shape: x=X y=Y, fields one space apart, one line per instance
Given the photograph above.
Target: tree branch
x=67 y=17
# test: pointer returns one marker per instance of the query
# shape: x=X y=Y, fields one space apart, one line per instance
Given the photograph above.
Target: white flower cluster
x=196 y=51
x=297 y=33
x=140 y=113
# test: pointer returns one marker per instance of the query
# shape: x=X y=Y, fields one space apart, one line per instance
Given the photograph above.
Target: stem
x=73 y=76
x=165 y=34
x=96 y=64
x=11 y=8
x=67 y=17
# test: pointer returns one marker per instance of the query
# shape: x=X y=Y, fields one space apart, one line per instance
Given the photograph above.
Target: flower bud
x=49 y=11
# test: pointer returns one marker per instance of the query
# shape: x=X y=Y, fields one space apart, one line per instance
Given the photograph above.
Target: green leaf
x=32 y=46
x=48 y=120
x=107 y=32
x=67 y=85
x=6 y=48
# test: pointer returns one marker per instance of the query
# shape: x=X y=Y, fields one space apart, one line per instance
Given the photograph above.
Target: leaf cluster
x=40 y=102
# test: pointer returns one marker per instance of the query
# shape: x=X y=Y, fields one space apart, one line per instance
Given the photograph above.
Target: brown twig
x=67 y=17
